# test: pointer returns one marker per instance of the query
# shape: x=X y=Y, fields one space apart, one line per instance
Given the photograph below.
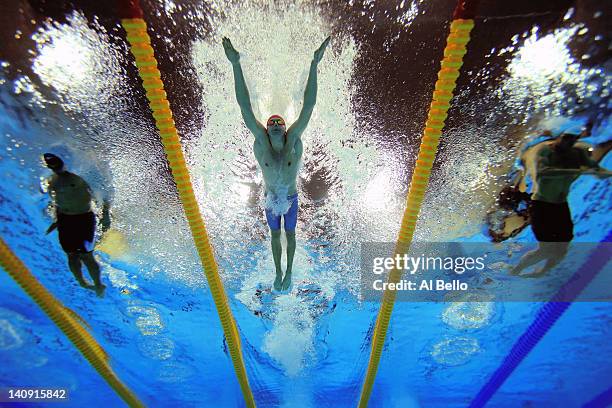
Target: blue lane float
x=547 y=316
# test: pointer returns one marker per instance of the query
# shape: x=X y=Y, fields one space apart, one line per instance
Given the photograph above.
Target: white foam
x=148 y=320
x=277 y=201
x=294 y=314
x=455 y=351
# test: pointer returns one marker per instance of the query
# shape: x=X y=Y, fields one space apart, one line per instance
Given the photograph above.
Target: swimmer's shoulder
x=535 y=149
x=76 y=179
x=543 y=149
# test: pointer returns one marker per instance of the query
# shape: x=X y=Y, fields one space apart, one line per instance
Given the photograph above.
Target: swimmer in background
x=75 y=220
x=278 y=151
x=509 y=215
x=557 y=164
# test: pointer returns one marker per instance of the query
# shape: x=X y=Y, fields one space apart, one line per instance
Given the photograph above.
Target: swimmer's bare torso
x=279 y=170
x=555 y=188
x=71 y=194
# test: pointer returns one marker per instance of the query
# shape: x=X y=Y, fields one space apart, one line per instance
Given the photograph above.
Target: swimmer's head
x=53 y=162
x=275 y=123
x=571 y=135
x=277 y=129
x=578 y=131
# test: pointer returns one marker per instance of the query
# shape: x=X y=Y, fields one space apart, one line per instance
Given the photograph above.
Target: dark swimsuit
x=551 y=222
x=76 y=232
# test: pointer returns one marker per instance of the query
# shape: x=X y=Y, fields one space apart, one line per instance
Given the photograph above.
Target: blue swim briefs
x=274 y=221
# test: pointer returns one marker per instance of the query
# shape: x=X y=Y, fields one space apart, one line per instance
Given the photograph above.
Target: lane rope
x=140 y=45
x=70 y=323
x=545 y=319
x=456 y=48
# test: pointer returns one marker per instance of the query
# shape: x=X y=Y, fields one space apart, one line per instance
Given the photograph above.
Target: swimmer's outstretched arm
x=545 y=169
x=242 y=92
x=310 y=98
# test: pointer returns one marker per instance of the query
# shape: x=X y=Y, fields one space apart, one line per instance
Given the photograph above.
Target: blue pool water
x=306 y=348
x=165 y=340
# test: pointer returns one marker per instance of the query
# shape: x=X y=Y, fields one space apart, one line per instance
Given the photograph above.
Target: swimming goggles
x=277 y=121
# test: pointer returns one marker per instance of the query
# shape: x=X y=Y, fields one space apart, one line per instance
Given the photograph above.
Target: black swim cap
x=52 y=161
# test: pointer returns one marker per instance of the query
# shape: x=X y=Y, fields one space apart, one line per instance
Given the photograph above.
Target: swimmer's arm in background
x=99 y=197
x=593 y=167
x=46 y=187
x=587 y=161
x=242 y=92
x=544 y=169
x=598 y=172
x=310 y=99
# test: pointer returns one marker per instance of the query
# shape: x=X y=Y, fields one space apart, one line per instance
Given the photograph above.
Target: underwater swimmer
x=556 y=165
x=278 y=151
x=75 y=221
x=510 y=213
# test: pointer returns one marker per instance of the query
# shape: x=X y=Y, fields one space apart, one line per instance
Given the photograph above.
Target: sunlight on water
x=72 y=57
x=20 y=345
x=543 y=72
x=148 y=320
x=156 y=347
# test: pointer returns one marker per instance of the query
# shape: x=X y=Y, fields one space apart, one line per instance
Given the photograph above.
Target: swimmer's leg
x=277 y=250
x=556 y=252
x=94 y=271
x=290 y=253
x=74 y=263
x=530 y=258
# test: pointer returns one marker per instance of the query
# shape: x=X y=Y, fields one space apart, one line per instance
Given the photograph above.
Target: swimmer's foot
x=85 y=285
x=278 y=282
x=287 y=281
x=537 y=274
x=100 y=290
x=515 y=271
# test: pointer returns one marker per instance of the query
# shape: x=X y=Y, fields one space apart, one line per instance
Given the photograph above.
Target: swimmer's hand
x=106 y=218
x=318 y=54
x=230 y=51
x=51 y=228
x=105 y=222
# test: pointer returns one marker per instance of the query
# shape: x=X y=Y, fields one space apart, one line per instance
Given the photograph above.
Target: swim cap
x=275 y=117
x=52 y=161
